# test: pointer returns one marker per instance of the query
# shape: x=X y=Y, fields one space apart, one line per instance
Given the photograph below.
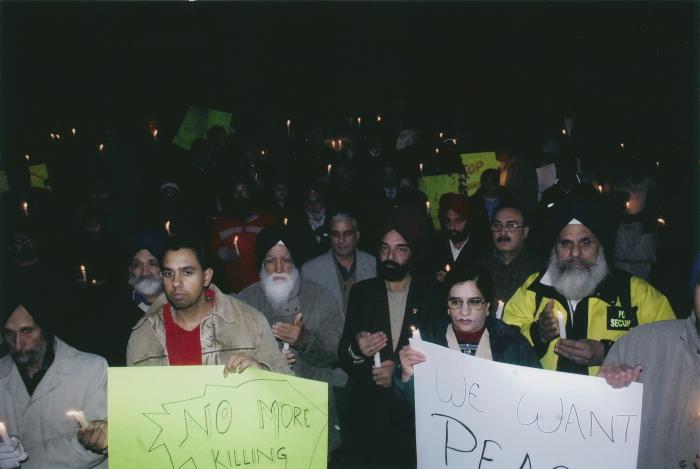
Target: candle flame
x=58 y=137
x=101 y=146
x=661 y=221
x=420 y=167
x=82 y=268
x=26 y=157
x=235 y=239
x=285 y=221
x=600 y=188
x=437 y=151
x=329 y=168
x=167 y=227
x=155 y=133
x=379 y=118
x=441 y=134
x=289 y=123
x=427 y=205
x=73 y=131
x=622 y=145
x=447 y=267
x=359 y=120
x=563 y=131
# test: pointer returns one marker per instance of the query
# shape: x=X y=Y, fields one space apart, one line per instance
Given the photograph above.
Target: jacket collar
x=155 y=312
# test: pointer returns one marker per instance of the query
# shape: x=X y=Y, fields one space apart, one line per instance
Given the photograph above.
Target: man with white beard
x=596 y=304
x=305 y=318
x=144 y=269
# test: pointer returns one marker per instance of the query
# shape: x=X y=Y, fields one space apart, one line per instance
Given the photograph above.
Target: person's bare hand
x=409 y=357
x=382 y=375
x=238 y=363
x=371 y=343
x=290 y=333
x=547 y=324
x=582 y=352
x=620 y=375
x=290 y=356
x=94 y=437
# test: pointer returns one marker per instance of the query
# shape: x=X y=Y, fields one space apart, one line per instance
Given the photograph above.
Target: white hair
x=577 y=283
x=278 y=286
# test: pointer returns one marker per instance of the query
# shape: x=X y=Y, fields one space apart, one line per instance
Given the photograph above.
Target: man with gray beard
x=306 y=319
x=575 y=310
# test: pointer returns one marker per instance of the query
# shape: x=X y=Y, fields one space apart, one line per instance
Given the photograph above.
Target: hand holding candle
x=562 y=324
x=79 y=417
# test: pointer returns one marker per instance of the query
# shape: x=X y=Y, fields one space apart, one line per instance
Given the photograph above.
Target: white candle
x=441 y=134
x=499 y=310
x=101 y=147
x=79 y=417
x=167 y=227
x=155 y=134
x=359 y=122
x=415 y=333
x=83 y=272
x=437 y=151
x=379 y=118
x=235 y=245
x=26 y=157
x=377 y=360
x=420 y=167
x=562 y=324
x=330 y=166
x=73 y=131
x=285 y=221
x=285 y=347
x=427 y=207
x=5 y=436
x=25 y=208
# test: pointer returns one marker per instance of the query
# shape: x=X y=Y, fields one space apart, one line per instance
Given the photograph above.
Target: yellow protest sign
x=433 y=187
x=39 y=176
x=191 y=416
x=475 y=164
x=197 y=122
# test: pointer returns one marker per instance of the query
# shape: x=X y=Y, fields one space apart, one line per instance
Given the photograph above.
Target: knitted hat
x=269 y=237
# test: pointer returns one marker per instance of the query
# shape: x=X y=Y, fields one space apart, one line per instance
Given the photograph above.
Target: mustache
x=568 y=264
x=391 y=264
x=503 y=238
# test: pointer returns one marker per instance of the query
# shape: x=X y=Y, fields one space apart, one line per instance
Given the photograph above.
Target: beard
x=575 y=283
x=393 y=271
x=278 y=287
x=146 y=285
x=458 y=236
x=29 y=358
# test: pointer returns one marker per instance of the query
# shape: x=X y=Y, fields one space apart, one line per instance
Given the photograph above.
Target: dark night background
x=627 y=72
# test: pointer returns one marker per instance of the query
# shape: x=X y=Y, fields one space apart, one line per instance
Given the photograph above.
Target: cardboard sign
x=475 y=164
x=191 y=416
x=197 y=122
x=39 y=176
x=472 y=412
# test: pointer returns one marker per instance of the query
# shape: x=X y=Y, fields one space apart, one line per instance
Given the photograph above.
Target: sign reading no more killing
x=193 y=417
x=472 y=412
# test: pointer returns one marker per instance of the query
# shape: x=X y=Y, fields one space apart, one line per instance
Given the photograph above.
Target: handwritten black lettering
x=483 y=451
x=473 y=394
x=610 y=436
x=568 y=420
x=447 y=435
x=537 y=418
x=627 y=426
x=224 y=415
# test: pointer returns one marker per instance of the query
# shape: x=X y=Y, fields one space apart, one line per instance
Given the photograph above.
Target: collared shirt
x=346 y=274
x=456 y=251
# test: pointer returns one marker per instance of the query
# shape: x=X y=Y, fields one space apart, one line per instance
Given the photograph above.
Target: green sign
x=197 y=122
x=4 y=185
x=475 y=164
x=39 y=176
x=193 y=417
x=433 y=187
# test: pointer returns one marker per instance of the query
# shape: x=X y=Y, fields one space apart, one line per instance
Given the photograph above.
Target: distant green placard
x=4 y=185
x=193 y=417
x=433 y=187
x=475 y=164
x=197 y=122
x=39 y=176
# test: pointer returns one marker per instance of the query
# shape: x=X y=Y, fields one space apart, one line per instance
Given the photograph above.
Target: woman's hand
x=409 y=357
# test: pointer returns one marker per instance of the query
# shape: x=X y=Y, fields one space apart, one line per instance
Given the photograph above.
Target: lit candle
x=262 y=152
x=289 y=127
x=26 y=157
x=329 y=169
x=420 y=167
x=73 y=131
x=627 y=206
x=101 y=147
x=658 y=164
x=333 y=144
x=499 y=310
x=377 y=360
x=415 y=333
x=155 y=133
x=437 y=151
x=285 y=347
x=25 y=208
x=447 y=267
x=167 y=227
x=661 y=221
x=359 y=122
x=622 y=145
x=379 y=118
x=563 y=131
x=53 y=136
x=93 y=281
x=454 y=141
x=340 y=144
x=427 y=207
x=441 y=134
x=83 y=273
x=79 y=417
x=5 y=436
x=600 y=188
x=285 y=221
x=235 y=245
x=58 y=137
x=562 y=324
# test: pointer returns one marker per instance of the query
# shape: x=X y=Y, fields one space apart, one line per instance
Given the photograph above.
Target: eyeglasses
x=270 y=262
x=475 y=304
x=509 y=226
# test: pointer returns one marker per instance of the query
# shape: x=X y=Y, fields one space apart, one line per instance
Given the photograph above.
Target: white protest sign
x=476 y=413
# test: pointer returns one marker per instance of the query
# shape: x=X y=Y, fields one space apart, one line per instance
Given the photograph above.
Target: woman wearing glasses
x=468 y=328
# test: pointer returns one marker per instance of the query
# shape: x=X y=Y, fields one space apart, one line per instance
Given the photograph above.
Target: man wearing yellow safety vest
x=575 y=310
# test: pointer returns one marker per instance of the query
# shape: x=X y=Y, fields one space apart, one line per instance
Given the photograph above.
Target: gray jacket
x=322 y=270
x=669 y=352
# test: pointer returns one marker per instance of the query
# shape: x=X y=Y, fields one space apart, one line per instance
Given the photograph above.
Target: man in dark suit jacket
x=378 y=323
x=458 y=243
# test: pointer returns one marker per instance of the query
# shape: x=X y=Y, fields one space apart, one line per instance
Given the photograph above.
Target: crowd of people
x=321 y=263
